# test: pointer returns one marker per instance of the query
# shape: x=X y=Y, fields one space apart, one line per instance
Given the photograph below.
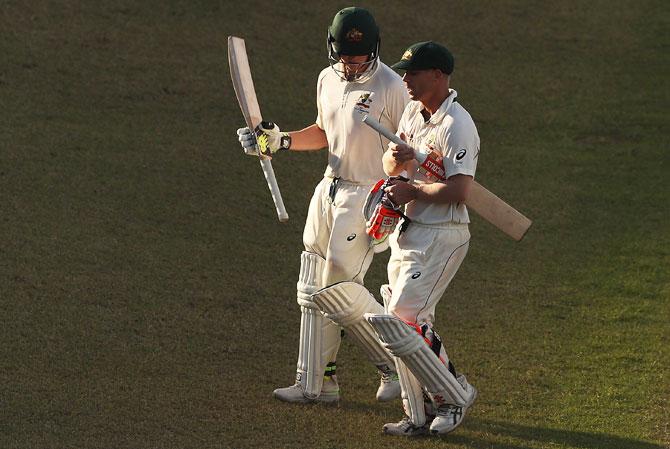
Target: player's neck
x=434 y=101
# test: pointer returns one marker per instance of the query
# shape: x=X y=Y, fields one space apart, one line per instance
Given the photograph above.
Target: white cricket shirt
x=453 y=134
x=355 y=150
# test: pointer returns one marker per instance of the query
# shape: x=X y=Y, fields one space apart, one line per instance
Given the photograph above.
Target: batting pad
x=411 y=391
x=404 y=342
x=346 y=303
x=310 y=279
x=319 y=337
x=411 y=394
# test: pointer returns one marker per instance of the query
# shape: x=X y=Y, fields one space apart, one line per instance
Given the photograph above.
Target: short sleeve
x=462 y=145
x=319 y=115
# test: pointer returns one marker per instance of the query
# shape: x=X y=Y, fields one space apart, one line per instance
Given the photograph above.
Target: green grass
x=147 y=291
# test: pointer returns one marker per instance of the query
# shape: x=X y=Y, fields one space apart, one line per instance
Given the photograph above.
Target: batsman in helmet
x=337 y=248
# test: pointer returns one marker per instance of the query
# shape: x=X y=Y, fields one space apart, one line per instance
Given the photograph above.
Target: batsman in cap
x=337 y=249
x=426 y=254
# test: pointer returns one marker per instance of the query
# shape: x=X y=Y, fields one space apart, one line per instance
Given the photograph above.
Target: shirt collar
x=443 y=109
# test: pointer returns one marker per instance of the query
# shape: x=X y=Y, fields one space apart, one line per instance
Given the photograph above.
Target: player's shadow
x=474 y=431
x=559 y=437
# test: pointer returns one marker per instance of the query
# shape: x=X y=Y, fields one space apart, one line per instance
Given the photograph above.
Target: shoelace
x=405 y=423
x=448 y=410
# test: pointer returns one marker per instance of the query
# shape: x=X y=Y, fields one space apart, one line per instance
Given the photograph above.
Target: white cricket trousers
x=424 y=260
x=335 y=230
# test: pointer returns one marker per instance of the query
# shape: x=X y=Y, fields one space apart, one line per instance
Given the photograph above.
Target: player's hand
x=401 y=192
x=247 y=139
x=270 y=139
x=401 y=152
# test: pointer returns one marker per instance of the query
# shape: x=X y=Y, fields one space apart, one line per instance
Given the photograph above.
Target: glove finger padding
x=248 y=141
x=383 y=223
x=381 y=214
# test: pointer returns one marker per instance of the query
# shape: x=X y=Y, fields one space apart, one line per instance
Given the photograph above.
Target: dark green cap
x=353 y=32
x=425 y=56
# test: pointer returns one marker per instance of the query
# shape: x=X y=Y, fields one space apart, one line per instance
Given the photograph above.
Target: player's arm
x=455 y=190
x=395 y=159
x=459 y=164
x=268 y=138
x=310 y=138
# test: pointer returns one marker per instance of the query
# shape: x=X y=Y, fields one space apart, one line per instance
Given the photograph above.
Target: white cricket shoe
x=389 y=387
x=450 y=416
x=330 y=392
x=405 y=428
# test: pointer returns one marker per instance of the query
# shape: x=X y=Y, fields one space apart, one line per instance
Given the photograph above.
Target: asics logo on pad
x=461 y=154
x=351 y=237
x=416 y=275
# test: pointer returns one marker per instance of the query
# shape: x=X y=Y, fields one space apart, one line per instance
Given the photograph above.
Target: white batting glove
x=247 y=139
x=270 y=139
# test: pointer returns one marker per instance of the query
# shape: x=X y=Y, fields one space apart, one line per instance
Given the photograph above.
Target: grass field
x=148 y=292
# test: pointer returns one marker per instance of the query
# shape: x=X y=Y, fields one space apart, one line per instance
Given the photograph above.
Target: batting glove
x=381 y=214
x=270 y=139
x=247 y=139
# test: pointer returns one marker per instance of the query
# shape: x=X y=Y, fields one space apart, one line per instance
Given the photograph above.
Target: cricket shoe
x=450 y=416
x=389 y=386
x=330 y=393
x=404 y=428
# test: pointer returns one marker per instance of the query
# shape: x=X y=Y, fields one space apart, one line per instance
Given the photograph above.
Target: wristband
x=285 y=141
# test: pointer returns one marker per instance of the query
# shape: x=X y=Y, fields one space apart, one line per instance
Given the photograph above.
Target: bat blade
x=240 y=74
x=498 y=212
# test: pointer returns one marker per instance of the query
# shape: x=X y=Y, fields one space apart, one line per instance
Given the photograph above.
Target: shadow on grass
x=536 y=435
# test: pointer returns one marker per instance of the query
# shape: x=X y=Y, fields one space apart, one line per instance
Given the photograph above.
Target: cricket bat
x=243 y=84
x=486 y=204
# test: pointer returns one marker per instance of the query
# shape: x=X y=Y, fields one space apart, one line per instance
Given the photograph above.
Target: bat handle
x=418 y=157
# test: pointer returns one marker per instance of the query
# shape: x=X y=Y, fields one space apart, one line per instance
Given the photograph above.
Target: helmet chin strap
x=361 y=69
x=355 y=76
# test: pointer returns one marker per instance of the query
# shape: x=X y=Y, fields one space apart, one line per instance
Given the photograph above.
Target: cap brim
x=402 y=65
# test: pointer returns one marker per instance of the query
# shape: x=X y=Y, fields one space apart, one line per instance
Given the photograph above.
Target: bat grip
x=418 y=157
